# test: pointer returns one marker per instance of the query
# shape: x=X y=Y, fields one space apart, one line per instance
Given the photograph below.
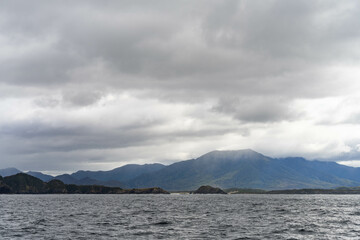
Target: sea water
x=180 y=216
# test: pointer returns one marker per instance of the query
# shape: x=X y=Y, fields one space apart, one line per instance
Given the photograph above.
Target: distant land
x=22 y=183
x=241 y=169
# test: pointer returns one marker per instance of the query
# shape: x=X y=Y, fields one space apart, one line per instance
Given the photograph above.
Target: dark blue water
x=179 y=216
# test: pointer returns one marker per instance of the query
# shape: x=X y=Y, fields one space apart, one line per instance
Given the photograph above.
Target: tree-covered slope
x=22 y=183
x=247 y=169
x=120 y=174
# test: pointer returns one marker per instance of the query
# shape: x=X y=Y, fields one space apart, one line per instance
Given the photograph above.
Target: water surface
x=179 y=216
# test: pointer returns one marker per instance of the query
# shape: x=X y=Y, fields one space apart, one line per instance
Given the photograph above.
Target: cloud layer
x=97 y=84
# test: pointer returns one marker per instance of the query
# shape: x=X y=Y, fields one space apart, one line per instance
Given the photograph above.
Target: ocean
x=243 y=216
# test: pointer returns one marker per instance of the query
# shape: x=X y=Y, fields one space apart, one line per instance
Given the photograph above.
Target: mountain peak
x=243 y=153
x=246 y=150
x=9 y=171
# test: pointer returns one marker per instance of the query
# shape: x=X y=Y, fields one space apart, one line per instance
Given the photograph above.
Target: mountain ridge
x=22 y=183
x=225 y=169
x=248 y=169
x=111 y=178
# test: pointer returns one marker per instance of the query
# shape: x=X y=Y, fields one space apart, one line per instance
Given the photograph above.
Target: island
x=22 y=183
x=208 y=190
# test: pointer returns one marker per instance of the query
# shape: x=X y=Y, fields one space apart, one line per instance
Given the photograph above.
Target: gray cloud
x=236 y=43
x=257 y=109
x=43 y=139
x=82 y=98
x=352 y=153
x=89 y=75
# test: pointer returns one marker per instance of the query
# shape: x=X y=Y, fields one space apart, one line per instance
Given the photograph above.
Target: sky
x=99 y=84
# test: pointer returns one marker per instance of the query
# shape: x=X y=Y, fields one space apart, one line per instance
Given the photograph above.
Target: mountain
x=111 y=178
x=242 y=169
x=121 y=174
x=69 y=179
x=40 y=175
x=23 y=183
x=248 y=169
x=9 y=171
x=12 y=171
x=4 y=188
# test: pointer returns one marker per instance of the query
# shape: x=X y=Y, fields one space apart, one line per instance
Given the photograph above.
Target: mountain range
x=22 y=183
x=224 y=169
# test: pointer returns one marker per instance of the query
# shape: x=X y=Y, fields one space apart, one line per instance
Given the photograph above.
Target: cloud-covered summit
x=96 y=84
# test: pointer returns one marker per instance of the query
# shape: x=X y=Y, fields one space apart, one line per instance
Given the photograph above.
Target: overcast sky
x=99 y=84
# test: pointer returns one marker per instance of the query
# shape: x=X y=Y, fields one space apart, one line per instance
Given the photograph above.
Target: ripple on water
x=179 y=216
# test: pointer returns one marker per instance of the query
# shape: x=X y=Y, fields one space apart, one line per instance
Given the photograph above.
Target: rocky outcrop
x=209 y=190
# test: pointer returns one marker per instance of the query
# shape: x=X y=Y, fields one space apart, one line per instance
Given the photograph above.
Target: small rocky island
x=22 y=183
x=209 y=190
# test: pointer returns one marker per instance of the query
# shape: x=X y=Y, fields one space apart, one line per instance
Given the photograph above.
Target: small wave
x=279 y=231
x=345 y=221
x=103 y=224
x=161 y=223
x=143 y=233
x=356 y=213
x=305 y=231
x=40 y=221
